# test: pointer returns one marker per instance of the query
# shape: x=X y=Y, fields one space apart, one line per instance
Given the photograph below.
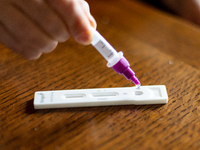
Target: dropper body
x=115 y=59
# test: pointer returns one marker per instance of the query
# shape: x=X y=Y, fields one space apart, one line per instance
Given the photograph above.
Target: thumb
x=86 y=9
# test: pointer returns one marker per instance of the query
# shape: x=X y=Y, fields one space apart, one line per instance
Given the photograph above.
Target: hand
x=33 y=27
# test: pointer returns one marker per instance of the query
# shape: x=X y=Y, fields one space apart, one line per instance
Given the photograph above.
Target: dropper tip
x=138 y=86
x=135 y=80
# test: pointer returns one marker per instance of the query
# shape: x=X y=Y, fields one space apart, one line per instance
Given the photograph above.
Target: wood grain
x=161 y=48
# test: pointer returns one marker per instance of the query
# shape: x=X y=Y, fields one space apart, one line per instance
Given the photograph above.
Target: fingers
x=77 y=19
x=86 y=9
x=31 y=42
x=33 y=27
x=44 y=17
x=7 y=39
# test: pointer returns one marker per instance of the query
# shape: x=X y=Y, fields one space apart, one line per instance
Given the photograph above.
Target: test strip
x=155 y=94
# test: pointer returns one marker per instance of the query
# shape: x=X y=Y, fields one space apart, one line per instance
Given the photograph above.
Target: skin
x=33 y=27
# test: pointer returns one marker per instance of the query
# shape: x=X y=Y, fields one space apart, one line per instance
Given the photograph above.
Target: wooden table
x=162 y=49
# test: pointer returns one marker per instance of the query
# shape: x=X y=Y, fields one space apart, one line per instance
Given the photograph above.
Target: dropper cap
x=123 y=67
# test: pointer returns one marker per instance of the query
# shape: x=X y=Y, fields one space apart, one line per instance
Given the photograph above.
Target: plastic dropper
x=115 y=59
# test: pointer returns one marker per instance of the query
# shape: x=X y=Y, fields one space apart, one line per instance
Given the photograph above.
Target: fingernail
x=85 y=38
x=93 y=22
